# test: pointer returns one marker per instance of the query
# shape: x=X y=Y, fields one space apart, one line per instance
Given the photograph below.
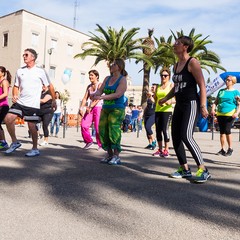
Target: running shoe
x=3 y=145
x=202 y=176
x=100 y=149
x=13 y=147
x=33 y=153
x=106 y=159
x=165 y=153
x=44 y=143
x=154 y=144
x=181 y=173
x=149 y=146
x=115 y=160
x=229 y=152
x=88 y=145
x=221 y=152
x=157 y=153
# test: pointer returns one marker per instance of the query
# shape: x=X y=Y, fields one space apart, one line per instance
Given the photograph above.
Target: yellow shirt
x=161 y=93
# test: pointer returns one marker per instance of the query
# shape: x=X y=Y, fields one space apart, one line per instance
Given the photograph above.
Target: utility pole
x=75 y=13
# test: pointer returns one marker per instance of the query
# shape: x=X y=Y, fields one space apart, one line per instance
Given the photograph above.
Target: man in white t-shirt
x=26 y=96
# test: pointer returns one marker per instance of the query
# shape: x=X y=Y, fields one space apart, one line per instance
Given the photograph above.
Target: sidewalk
x=66 y=194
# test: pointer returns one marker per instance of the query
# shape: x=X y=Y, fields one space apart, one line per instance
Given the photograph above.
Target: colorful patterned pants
x=110 y=128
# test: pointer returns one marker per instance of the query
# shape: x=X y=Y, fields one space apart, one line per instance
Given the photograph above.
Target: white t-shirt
x=30 y=82
x=59 y=106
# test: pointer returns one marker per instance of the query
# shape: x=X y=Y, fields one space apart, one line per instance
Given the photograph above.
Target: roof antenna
x=76 y=4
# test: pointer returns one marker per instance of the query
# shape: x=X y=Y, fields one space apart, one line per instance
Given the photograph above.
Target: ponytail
x=6 y=73
x=124 y=73
x=9 y=76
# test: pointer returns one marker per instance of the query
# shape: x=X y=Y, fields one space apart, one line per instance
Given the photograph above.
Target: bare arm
x=214 y=106
x=15 y=92
x=167 y=97
x=46 y=98
x=195 y=69
x=83 y=103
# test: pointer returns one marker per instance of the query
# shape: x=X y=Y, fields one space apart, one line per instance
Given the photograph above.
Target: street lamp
x=50 y=51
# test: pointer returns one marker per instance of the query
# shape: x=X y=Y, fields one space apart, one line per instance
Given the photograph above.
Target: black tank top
x=47 y=106
x=150 y=108
x=185 y=84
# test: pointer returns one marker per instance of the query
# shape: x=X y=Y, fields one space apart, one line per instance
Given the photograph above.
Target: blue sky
x=220 y=19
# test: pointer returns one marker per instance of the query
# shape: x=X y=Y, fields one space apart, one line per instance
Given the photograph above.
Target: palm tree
x=164 y=56
x=112 y=44
x=148 y=51
x=207 y=58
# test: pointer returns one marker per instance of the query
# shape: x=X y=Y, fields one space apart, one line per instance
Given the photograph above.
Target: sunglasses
x=164 y=75
x=113 y=64
x=228 y=80
x=25 y=55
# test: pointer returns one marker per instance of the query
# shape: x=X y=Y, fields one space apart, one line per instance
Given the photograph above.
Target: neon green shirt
x=161 y=93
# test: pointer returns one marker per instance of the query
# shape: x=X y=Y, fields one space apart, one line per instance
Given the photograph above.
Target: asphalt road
x=66 y=194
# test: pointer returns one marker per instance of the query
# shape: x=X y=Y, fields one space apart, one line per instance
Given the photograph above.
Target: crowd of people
x=105 y=108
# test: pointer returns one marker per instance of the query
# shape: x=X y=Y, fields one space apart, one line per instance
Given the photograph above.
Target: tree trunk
x=145 y=89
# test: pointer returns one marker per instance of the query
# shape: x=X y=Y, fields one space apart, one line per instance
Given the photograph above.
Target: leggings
x=148 y=123
x=183 y=123
x=46 y=119
x=162 y=122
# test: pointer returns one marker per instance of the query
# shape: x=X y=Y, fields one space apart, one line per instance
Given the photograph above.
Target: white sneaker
x=44 y=143
x=115 y=160
x=32 y=153
x=13 y=147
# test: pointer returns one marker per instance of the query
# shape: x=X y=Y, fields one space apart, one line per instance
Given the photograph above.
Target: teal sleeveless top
x=114 y=103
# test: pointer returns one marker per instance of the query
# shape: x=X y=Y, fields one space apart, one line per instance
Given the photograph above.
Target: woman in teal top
x=227 y=110
x=113 y=111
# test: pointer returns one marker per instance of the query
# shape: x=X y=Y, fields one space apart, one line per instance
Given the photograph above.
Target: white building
x=56 y=46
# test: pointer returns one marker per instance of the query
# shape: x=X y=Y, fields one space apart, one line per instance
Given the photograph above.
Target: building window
x=35 y=39
x=52 y=72
x=53 y=43
x=69 y=49
x=5 y=39
x=131 y=100
x=82 y=77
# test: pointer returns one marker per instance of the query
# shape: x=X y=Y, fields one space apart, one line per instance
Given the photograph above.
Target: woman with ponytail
x=5 y=81
x=113 y=111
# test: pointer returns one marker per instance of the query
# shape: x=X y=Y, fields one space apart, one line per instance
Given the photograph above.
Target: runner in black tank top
x=187 y=75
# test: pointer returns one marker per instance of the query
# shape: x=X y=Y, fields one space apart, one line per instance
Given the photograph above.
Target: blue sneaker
x=181 y=173
x=202 y=176
x=33 y=153
x=13 y=147
x=115 y=160
x=3 y=145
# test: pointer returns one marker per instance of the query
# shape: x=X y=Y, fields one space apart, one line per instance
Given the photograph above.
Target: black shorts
x=28 y=113
x=3 y=112
x=225 y=124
